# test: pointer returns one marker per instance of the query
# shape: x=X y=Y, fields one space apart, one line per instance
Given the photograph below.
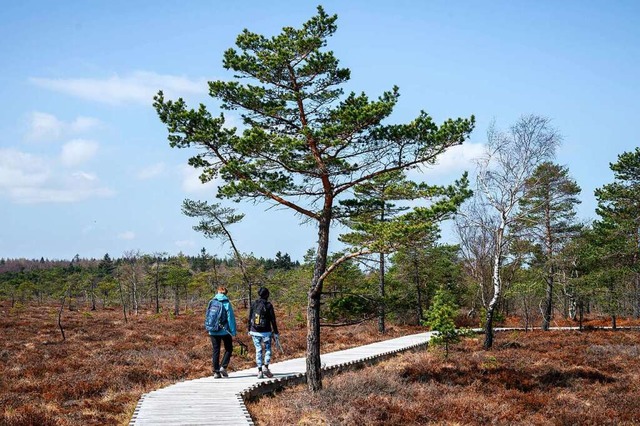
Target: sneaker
x=260 y=375
x=217 y=375
x=224 y=373
x=267 y=373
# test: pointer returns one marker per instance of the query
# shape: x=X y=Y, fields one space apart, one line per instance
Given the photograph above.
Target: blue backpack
x=216 y=317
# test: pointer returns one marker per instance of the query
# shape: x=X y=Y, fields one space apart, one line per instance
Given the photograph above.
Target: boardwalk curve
x=209 y=401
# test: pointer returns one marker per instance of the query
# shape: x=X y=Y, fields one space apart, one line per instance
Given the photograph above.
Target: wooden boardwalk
x=209 y=401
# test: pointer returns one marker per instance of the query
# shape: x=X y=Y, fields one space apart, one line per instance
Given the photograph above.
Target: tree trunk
x=548 y=309
x=314 y=366
x=636 y=280
x=136 y=303
x=488 y=329
x=313 y=363
x=497 y=285
x=636 y=306
x=60 y=316
x=93 y=294
x=614 y=323
x=416 y=279
x=124 y=303
x=581 y=313
x=525 y=304
x=381 y=312
x=546 y=317
x=157 y=285
x=176 y=306
x=572 y=306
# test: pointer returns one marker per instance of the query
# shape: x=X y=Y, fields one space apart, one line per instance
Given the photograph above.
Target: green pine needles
x=440 y=318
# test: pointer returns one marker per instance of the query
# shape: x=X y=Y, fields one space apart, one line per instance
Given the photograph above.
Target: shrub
x=441 y=319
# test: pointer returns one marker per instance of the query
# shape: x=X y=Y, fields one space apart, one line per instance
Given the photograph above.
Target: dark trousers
x=228 y=349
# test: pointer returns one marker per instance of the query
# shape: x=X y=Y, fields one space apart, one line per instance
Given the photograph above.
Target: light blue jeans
x=260 y=339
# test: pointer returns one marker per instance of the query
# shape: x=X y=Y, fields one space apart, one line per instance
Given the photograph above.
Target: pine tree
x=371 y=207
x=440 y=318
x=619 y=226
x=305 y=145
x=549 y=221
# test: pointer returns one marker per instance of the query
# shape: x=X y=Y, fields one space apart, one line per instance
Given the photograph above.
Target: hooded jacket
x=231 y=319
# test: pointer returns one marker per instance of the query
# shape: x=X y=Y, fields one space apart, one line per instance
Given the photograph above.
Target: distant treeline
x=139 y=282
x=281 y=261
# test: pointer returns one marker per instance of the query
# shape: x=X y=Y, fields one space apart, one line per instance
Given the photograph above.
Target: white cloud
x=151 y=171
x=27 y=178
x=36 y=195
x=456 y=159
x=78 y=151
x=191 y=182
x=138 y=87
x=83 y=124
x=43 y=126
x=88 y=177
x=20 y=169
x=127 y=235
x=47 y=127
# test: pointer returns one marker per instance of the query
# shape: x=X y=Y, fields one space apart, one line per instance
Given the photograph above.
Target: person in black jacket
x=262 y=327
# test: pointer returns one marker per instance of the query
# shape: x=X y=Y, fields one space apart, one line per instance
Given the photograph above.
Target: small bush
x=441 y=319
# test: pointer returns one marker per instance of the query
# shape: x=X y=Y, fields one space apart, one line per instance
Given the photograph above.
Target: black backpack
x=260 y=319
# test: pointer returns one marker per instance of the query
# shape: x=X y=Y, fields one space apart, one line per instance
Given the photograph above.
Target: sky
x=86 y=168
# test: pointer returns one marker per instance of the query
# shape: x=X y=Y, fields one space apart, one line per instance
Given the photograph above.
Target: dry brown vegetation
x=97 y=375
x=532 y=378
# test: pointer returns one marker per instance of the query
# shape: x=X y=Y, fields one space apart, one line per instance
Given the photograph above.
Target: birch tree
x=131 y=273
x=503 y=179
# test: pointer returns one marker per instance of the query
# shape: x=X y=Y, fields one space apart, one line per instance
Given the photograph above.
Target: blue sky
x=85 y=167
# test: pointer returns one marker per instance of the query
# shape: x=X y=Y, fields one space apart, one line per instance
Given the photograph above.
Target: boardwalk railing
x=209 y=401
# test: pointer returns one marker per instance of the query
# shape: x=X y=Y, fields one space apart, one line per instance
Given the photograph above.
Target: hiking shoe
x=260 y=375
x=217 y=375
x=224 y=373
x=267 y=373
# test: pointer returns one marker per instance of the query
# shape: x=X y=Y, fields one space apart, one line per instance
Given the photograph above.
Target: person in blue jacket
x=223 y=336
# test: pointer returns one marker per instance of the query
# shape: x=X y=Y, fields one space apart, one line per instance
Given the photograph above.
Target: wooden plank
x=209 y=401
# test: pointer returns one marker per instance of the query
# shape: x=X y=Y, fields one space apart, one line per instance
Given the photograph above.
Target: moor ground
x=529 y=378
x=97 y=375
